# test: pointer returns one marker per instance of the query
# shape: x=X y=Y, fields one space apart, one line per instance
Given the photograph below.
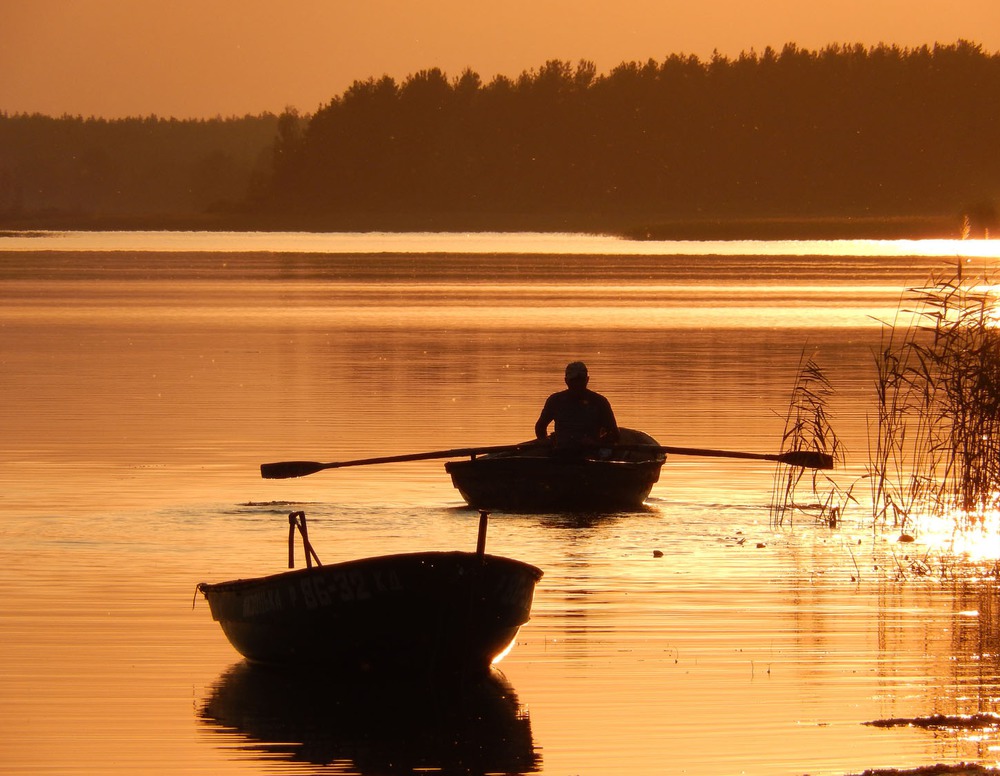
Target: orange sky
x=203 y=58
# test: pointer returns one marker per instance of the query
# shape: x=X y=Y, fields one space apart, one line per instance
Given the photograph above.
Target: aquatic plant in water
x=808 y=427
x=934 y=438
x=934 y=443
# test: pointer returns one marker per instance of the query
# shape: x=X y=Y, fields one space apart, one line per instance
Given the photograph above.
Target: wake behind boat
x=534 y=477
x=441 y=612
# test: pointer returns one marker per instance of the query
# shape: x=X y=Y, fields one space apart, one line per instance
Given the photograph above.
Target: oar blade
x=284 y=470
x=807 y=459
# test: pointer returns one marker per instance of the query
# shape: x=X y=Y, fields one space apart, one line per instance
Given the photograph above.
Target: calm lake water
x=147 y=375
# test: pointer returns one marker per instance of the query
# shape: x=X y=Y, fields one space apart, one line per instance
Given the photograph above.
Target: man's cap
x=576 y=369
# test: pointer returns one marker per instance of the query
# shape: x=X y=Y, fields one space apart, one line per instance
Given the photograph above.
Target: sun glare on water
x=973 y=537
x=526 y=243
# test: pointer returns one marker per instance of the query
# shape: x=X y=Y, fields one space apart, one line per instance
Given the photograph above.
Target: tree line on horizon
x=845 y=131
x=73 y=167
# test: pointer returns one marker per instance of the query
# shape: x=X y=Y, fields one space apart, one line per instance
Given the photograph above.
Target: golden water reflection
x=376 y=726
x=473 y=243
x=142 y=391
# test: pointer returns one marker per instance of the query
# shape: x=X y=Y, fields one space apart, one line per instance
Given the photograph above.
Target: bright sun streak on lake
x=516 y=243
x=954 y=534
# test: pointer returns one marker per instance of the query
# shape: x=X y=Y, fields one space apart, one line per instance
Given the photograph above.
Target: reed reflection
x=376 y=725
x=958 y=679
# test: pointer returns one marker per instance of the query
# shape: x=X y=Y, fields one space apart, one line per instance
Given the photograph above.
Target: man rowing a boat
x=583 y=418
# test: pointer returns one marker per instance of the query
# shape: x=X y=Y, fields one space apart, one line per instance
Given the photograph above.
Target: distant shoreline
x=639 y=228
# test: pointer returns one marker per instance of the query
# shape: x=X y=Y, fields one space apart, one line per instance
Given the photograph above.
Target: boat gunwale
x=245 y=582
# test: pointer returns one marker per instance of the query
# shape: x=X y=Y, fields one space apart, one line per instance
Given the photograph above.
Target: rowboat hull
x=543 y=484
x=443 y=611
x=533 y=479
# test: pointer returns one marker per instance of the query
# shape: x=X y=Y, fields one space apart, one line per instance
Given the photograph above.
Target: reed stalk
x=808 y=427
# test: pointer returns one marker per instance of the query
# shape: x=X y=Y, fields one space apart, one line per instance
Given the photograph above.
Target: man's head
x=576 y=375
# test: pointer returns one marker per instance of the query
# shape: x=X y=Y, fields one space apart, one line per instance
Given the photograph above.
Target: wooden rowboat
x=421 y=611
x=535 y=478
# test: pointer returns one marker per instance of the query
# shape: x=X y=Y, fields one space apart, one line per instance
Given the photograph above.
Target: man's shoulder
x=555 y=398
x=576 y=397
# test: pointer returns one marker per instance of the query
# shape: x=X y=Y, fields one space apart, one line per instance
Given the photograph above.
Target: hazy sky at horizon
x=205 y=58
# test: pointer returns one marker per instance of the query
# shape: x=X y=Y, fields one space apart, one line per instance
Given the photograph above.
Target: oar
x=285 y=469
x=804 y=458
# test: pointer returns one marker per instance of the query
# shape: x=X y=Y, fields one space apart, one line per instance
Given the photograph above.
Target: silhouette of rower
x=583 y=418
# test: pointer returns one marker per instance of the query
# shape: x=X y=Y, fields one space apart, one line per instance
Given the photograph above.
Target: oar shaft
x=718 y=453
x=454 y=453
x=806 y=458
x=286 y=469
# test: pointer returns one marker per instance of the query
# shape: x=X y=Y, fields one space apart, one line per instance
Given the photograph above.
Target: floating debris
x=978 y=721
x=961 y=769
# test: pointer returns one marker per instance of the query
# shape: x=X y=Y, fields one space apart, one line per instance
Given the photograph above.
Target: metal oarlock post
x=484 y=519
x=298 y=520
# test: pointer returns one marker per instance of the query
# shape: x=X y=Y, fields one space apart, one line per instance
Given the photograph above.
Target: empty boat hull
x=430 y=610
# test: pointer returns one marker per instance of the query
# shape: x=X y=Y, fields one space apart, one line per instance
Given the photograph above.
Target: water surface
x=147 y=375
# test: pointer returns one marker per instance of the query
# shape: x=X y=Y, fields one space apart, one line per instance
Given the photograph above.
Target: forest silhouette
x=846 y=134
x=75 y=172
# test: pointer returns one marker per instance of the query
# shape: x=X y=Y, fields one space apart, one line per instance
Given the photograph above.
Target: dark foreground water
x=146 y=377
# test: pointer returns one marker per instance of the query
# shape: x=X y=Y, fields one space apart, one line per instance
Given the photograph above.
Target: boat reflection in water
x=379 y=725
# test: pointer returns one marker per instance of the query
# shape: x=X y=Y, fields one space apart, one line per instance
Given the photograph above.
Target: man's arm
x=609 y=432
x=542 y=424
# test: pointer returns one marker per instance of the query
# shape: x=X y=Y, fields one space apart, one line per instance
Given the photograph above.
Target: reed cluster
x=934 y=442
